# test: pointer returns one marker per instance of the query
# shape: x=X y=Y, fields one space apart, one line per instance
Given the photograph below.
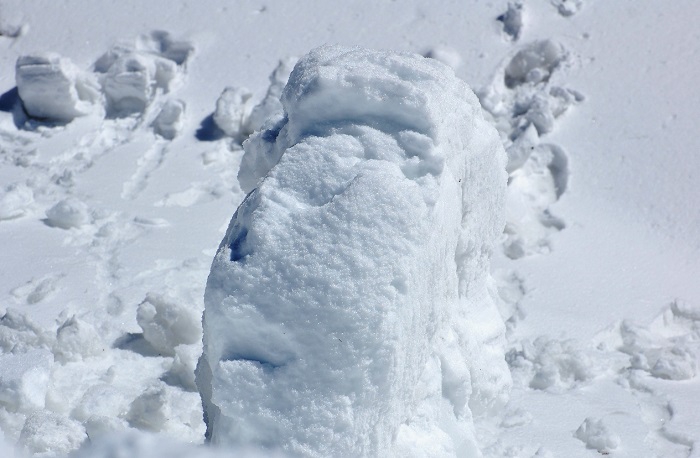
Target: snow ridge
x=347 y=310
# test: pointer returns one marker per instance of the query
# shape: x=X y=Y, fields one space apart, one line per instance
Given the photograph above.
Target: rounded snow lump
x=347 y=311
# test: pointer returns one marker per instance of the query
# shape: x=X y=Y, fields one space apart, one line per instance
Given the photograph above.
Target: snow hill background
x=109 y=223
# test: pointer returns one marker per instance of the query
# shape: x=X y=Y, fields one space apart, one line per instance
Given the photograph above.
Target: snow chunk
x=132 y=74
x=15 y=200
x=596 y=435
x=24 y=379
x=51 y=434
x=347 y=311
x=76 y=339
x=534 y=63
x=233 y=108
x=167 y=324
x=53 y=88
x=170 y=119
x=271 y=105
x=68 y=213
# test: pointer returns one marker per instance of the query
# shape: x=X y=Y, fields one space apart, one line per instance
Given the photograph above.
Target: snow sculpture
x=347 y=310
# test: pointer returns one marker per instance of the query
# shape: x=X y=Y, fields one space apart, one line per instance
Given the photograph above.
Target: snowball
x=347 y=310
x=232 y=110
x=15 y=200
x=76 y=339
x=596 y=435
x=53 y=88
x=170 y=119
x=167 y=324
x=68 y=213
x=46 y=432
x=24 y=379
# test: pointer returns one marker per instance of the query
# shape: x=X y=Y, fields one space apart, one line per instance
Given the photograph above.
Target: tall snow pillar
x=347 y=310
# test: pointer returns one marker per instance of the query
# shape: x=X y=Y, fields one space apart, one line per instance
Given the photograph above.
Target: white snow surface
x=347 y=310
x=596 y=270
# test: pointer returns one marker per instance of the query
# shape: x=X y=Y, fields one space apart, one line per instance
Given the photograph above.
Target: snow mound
x=347 y=311
x=52 y=88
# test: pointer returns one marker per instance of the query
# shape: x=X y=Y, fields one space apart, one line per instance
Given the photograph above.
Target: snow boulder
x=52 y=88
x=347 y=310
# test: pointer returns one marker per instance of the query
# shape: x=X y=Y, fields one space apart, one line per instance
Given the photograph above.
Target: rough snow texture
x=347 y=310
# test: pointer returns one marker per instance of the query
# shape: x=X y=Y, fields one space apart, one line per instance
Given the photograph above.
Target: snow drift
x=347 y=310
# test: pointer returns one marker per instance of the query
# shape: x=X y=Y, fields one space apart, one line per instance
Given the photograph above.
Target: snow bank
x=53 y=88
x=347 y=310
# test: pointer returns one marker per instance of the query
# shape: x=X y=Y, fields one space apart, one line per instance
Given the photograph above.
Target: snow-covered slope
x=109 y=222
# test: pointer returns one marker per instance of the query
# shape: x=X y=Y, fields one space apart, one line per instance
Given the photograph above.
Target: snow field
x=347 y=310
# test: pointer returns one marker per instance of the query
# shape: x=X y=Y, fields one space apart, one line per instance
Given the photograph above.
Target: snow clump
x=347 y=311
x=167 y=324
x=52 y=88
x=596 y=435
x=68 y=213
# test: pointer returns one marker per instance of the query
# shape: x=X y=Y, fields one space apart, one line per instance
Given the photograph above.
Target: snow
x=353 y=279
x=595 y=275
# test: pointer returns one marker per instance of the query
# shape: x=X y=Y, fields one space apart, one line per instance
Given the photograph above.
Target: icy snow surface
x=347 y=310
x=120 y=171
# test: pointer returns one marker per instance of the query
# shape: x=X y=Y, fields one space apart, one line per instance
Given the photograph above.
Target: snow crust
x=347 y=310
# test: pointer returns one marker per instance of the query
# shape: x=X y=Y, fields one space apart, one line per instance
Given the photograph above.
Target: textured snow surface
x=347 y=310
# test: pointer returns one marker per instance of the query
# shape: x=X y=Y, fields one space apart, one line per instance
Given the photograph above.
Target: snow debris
x=170 y=119
x=167 y=323
x=15 y=200
x=233 y=109
x=19 y=334
x=68 y=213
x=24 y=379
x=669 y=348
x=596 y=435
x=77 y=339
x=48 y=434
x=271 y=105
x=547 y=364
x=568 y=7
x=52 y=88
x=512 y=20
x=347 y=312
x=524 y=105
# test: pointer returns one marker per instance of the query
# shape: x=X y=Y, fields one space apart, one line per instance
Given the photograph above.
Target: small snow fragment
x=167 y=323
x=47 y=432
x=512 y=20
x=534 y=63
x=19 y=334
x=15 y=200
x=24 y=379
x=53 y=88
x=568 y=7
x=446 y=55
x=68 y=213
x=184 y=363
x=170 y=120
x=675 y=363
x=75 y=340
x=596 y=435
x=232 y=111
